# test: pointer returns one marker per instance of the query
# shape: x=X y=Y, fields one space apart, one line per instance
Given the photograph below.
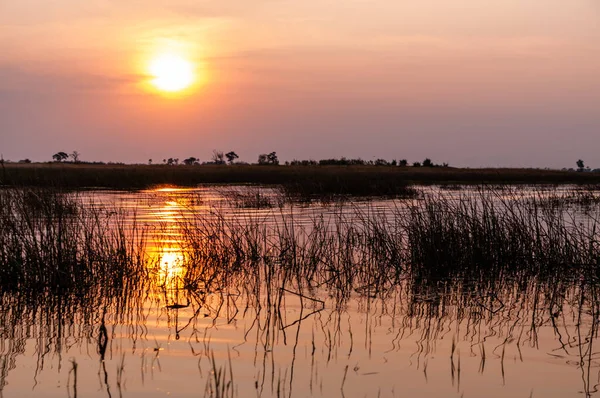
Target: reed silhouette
x=485 y=268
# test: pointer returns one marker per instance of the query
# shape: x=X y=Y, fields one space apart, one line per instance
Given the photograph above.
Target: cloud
x=23 y=81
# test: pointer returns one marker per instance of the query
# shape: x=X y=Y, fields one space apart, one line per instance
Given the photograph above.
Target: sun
x=171 y=73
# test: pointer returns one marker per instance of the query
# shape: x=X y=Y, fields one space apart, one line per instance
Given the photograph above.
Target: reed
x=470 y=257
x=298 y=180
x=50 y=241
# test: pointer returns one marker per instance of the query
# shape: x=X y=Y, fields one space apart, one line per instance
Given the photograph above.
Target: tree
x=403 y=163
x=149 y=161
x=60 y=156
x=218 y=157
x=190 y=161
x=580 y=165
x=427 y=163
x=262 y=159
x=272 y=157
x=75 y=156
x=417 y=164
x=231 y=156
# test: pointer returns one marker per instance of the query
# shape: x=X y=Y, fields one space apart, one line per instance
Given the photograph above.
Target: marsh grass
x=63 y=266
x=438 y=262
x=50 y=241
x=220 y=383
x=299 y=181
x=436 y=245
x=251 y=197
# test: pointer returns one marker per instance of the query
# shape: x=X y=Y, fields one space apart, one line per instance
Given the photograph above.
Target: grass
x=52 y=241
x=304 y=181
x=475 y=256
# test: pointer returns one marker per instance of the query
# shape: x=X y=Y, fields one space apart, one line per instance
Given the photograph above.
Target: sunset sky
x=468 y=82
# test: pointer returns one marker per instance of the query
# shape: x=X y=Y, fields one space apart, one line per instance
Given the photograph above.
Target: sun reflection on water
x=164 y=251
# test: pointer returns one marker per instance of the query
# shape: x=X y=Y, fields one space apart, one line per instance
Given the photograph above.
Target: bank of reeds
x=498 y=256
x=50 y=241
x=65 y=267
x=298 y=180
x=433 y=240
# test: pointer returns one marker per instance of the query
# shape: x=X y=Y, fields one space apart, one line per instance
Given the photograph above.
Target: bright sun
x=171 y=73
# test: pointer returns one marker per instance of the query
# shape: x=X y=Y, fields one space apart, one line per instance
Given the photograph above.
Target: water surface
x=369 y=320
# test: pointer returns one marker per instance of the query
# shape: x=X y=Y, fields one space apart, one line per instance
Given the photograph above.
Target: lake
x=238 y=292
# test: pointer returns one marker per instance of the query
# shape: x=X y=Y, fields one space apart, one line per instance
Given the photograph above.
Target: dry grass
x=299 y=180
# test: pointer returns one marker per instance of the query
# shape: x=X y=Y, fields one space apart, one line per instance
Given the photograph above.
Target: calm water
x=502 y=336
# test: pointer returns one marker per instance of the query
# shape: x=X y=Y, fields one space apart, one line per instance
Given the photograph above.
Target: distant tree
x=394 y=163
x=75 y=156
x=218 y=157
x=231 y=157
x=417 y=164
x=25 y=161
x=272 y=157
x=381 y=162
x=176 y=160
x=580 y=165
x=149 y=161
x=190 y=161
x=60 y=156
x=427 y=163
x=403 y=163
x=170 y=161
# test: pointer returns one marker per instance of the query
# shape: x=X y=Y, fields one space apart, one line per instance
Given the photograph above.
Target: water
x=511 y=333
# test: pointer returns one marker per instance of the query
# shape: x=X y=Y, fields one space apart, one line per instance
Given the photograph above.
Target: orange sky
x=503 y=82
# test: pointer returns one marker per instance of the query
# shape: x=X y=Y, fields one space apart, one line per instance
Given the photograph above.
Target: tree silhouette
x=272 y=157
x=403 y=163
x=60 y=156
x=75 y=156
x=218 y=157
x=427 y=163
x=231 y=156
x=580 y=165
x=190 y=161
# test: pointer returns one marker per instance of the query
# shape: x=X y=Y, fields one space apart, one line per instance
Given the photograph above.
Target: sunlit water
x=508 y=342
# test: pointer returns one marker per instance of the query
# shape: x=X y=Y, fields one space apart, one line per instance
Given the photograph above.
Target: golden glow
x=171 y=73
